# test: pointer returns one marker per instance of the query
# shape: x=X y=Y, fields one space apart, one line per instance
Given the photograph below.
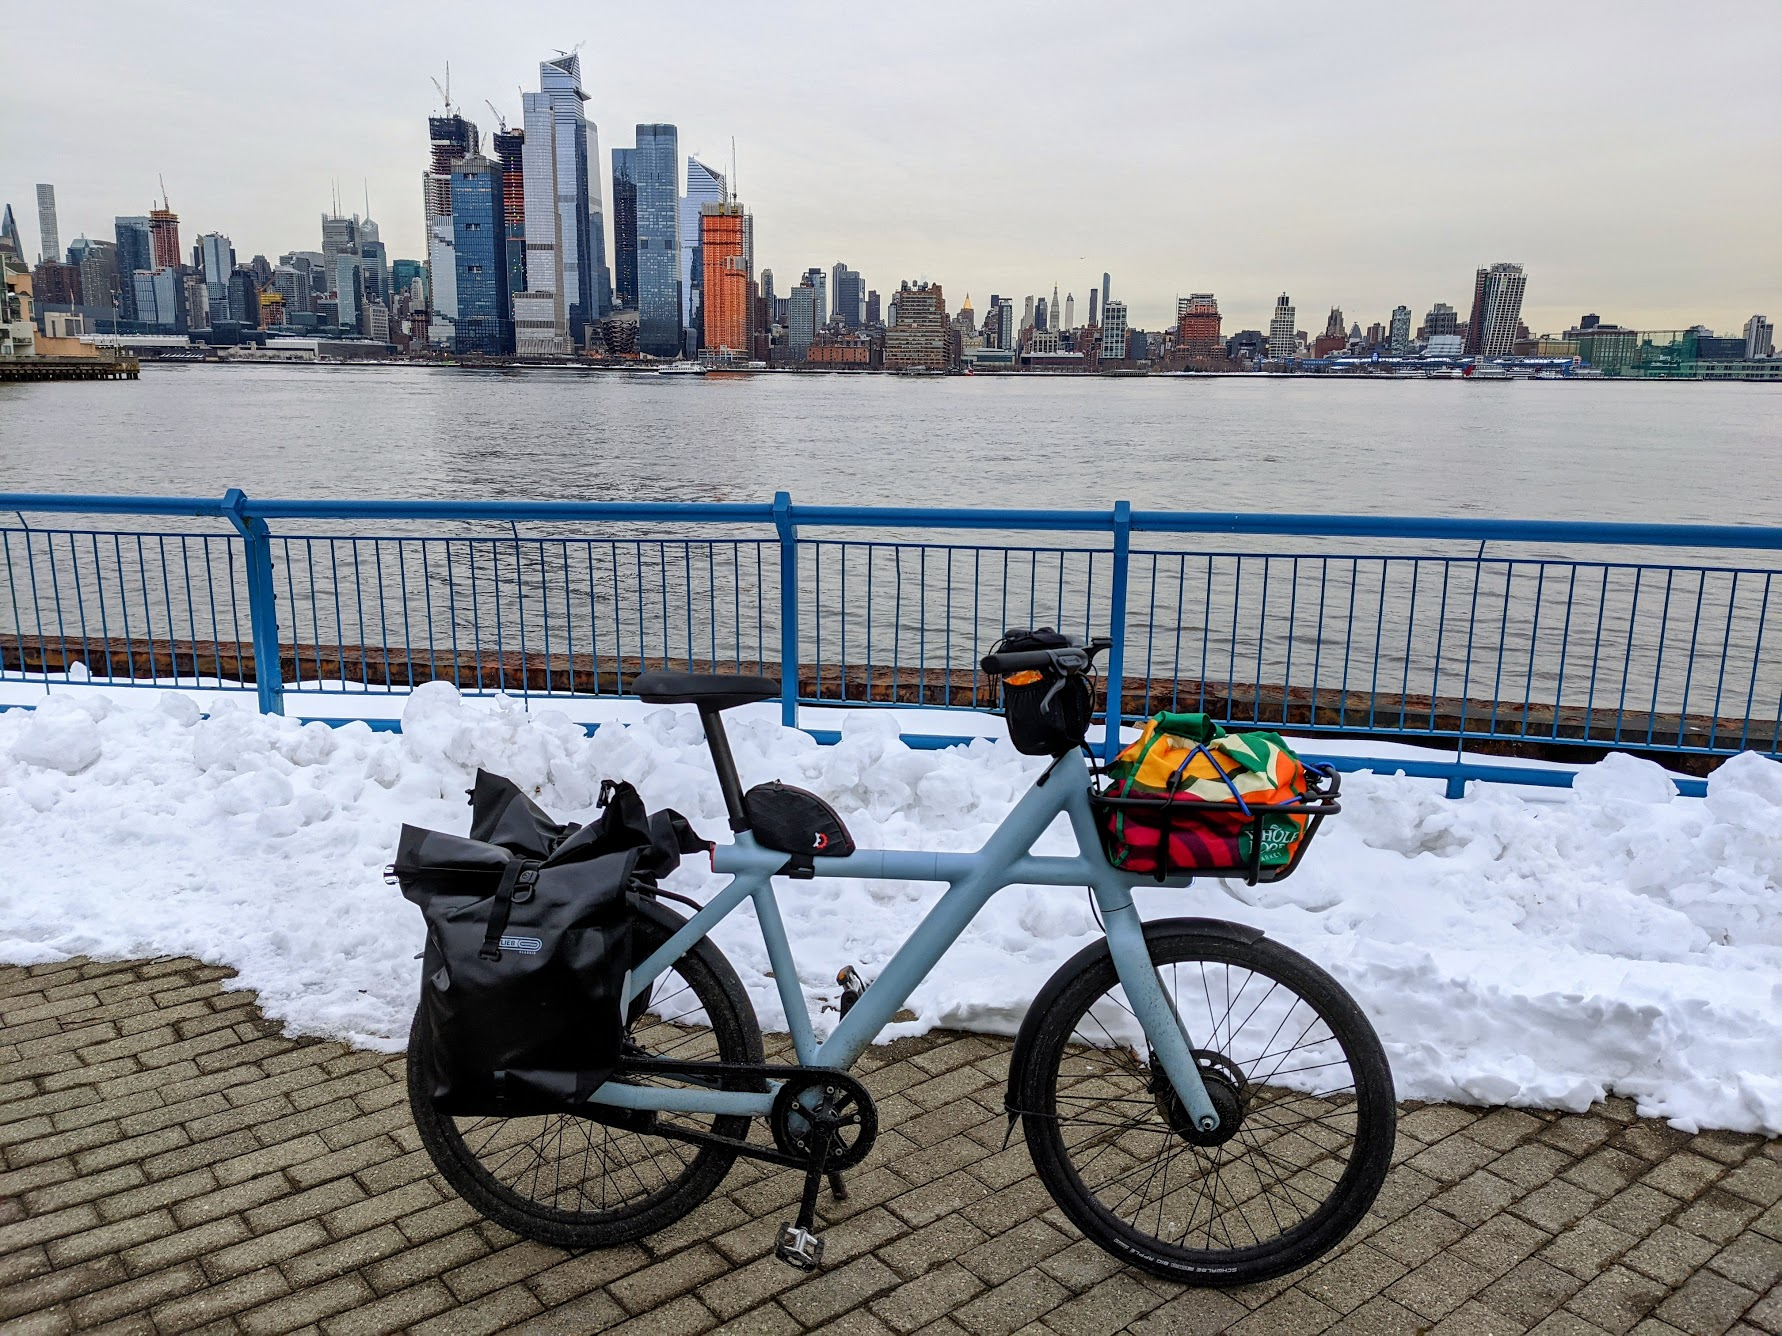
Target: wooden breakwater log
x=1564 y=732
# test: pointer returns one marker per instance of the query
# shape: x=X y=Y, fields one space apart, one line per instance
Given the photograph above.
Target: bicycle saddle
x=709 y=691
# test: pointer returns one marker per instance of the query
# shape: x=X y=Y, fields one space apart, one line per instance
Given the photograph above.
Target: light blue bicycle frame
x=1005 y=860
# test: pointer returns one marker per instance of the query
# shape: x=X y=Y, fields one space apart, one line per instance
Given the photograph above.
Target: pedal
x=852 y=986
x=798 y=1247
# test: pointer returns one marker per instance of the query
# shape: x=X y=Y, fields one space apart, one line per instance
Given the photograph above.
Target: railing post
x=1110 y=746
x=256 y=542
x=782 y=520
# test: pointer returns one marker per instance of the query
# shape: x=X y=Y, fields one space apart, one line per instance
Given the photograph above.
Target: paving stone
x=652 y=1285
x=1617 y=1299
x=1717 y=1215
x=831 y=1293
x=1500 y=1243
x=916 y=1303
x=1669 y=1255
x=1012 y=1304
x=1758 y=1179
x=1752 y=1261
x=1008 y=1254
x=1706 y=1305
x=1530 y=1291
x=1587 y=1247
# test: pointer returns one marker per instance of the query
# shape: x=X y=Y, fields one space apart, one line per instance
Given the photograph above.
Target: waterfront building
x=801 y=320
x=587 y=282
x=1113 y=331
x=724 y=282
x=1442 y=319
x=1399 y=339
x=1197 y=325
x=160 y=298
x=541 y=312
x=704 y=186
x=655 y=167
x=849 y=295
x=1497 y=310
x=841 y=352
x=54 y=283
x=484 y=322
x=135 y=253
x=164 y=236
x=510 y=151
x=624 y=231
x=873 y=312
x=241 y=297
x=1760 y=337
x=919 y=339
x=820 y=281
x=1281 y=334
x=451 y=137
x=49 y=237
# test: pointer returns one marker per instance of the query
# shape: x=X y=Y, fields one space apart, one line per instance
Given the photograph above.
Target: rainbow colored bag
x=1189 y=797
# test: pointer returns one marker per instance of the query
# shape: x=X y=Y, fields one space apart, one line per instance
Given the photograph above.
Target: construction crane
x=445 y=91
x=499 y=118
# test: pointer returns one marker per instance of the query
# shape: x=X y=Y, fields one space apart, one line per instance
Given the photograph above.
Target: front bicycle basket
x=1199 y=822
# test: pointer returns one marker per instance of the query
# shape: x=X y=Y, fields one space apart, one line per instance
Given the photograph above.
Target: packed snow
x=1524 y=947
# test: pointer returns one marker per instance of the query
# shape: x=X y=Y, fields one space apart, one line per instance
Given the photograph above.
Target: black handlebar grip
x=1013 y=661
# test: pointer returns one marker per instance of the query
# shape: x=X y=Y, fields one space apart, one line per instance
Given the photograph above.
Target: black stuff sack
x=528 y=945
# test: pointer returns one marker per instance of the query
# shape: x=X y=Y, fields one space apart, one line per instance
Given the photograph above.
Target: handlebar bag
x=1048 y=711
x=1205 y=793
x=528 y=946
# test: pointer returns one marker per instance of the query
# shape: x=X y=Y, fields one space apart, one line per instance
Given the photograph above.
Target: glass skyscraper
x=587 y=283
x=655 y=169
x=135 y=252
x=624 y=231
x=479 y=236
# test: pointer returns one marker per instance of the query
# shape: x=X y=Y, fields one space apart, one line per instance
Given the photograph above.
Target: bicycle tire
x=1299 y=1157
x=461 y=1147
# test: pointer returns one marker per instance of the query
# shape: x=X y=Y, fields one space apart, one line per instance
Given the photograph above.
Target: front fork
x=1155 y=1009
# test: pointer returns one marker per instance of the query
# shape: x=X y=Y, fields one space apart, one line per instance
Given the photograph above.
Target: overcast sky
x=1628 y=154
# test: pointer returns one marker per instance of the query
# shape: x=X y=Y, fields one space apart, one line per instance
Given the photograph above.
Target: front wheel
x=1293 y=1067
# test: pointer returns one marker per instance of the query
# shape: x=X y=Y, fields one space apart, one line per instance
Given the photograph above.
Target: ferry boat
x=1487 y=371
x=681 y=369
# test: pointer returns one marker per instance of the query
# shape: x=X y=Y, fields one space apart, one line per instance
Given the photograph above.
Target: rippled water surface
x=1678 y=452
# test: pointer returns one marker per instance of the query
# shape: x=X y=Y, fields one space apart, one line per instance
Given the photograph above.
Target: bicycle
x=1200 y=1101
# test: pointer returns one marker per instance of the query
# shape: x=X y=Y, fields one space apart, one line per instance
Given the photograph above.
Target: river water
x=1629 y=633
x=1615 y=451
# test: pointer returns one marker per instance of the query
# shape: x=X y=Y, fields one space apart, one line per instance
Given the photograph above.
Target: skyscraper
x=451 y=138
x=1041 y=314
x=9 y=235
x=1497 y=308
x=724 y=285
x=1280 y=328
x=135 y=253
x=820 y=282
x=655 y=168
x=1113 y=331
x=1094 y=296
x=1070 y=310
x=1197 y=325
x=216 y=257
x=1760 y=337
x=164 y=236
x=587 y=282
x=624 y=231
x=919 y=338
x=704 y=186
x=873 y=312
x=849 y=295
x=98 y=261
x=49 y=238
x=510 y=147
x=1399 y=340
x=479 y=233
x=541 y=313
x=1104 y=291
x=801 y=319
x=1442 y=319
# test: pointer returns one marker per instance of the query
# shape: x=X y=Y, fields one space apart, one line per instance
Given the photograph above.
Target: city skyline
x=1327 y=201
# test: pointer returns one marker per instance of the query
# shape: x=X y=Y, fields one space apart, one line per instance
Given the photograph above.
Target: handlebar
x=1076 y=657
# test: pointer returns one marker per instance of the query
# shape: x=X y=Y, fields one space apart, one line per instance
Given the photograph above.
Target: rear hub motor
x=1226 y=1088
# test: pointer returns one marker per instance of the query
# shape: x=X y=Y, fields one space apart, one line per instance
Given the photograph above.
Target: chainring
x=810 y=1102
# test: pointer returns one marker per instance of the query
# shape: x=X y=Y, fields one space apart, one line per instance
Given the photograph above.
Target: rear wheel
x=577 y=1183
x=1294 y=1070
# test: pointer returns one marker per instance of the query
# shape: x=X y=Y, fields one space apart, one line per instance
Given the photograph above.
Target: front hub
x=1225 y=1088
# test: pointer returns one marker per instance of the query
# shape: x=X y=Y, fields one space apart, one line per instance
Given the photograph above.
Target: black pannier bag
x=528 y=945
x=1048 y=711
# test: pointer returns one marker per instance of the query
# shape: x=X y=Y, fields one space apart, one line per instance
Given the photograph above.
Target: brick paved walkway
x=169 y=1163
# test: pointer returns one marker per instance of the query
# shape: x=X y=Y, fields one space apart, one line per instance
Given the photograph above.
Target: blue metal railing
x=1460 y=630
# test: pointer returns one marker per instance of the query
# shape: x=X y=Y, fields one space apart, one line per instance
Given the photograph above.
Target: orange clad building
x=726 y=279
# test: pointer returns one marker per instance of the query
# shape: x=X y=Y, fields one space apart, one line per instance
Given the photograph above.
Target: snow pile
x=1509 y=947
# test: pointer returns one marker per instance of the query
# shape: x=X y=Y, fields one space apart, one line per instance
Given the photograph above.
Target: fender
x=1042 y=1003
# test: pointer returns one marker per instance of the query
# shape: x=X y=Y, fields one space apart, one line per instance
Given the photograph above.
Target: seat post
x=728 y=783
